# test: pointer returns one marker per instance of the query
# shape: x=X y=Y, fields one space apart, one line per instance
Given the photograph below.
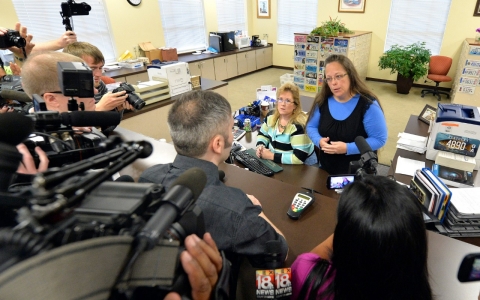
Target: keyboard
x=238 y=134
x=252 y=163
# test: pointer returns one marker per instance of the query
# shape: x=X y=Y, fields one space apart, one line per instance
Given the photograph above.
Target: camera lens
x=18 y=41
x=135 y=101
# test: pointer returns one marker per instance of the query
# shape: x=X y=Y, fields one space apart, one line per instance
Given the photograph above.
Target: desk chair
x=107 y=80
x=437 y=71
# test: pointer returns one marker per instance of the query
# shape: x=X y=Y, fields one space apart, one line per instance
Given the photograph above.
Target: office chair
x=437 y=71
x=107 y=80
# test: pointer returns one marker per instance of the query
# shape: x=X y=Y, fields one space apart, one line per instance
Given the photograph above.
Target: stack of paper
x=466 y=200
x=412 y=142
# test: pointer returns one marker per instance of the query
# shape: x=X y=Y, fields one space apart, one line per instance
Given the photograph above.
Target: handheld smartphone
x=469 y=268
x=335 y=182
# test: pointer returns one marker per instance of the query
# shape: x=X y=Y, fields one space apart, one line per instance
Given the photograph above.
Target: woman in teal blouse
x=282 y=137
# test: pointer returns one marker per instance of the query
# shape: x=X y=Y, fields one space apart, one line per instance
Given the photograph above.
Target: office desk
x=310 y=177
x=415 y=126
x=444 y=254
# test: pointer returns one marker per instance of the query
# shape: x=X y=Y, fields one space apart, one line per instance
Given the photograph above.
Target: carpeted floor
x=397 y=107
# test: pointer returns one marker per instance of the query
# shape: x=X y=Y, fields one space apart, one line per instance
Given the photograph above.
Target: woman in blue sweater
x=344 y=109
x=282 y=137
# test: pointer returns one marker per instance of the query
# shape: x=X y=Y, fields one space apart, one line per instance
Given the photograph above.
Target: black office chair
x=437 y=71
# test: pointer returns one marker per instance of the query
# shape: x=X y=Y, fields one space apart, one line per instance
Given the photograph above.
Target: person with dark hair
x=201 y=124
x=344 y=109
x=282 y=137
x=378 y=249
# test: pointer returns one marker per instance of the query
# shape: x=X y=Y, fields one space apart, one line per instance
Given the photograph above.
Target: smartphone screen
x=469 y=268
x=335 y=182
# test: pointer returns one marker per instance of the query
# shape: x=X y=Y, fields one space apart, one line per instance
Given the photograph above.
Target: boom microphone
x=181 y=195
x=53 y=119
x=91 y=118
x=14 y=128
x=362 y=144
x=15 y=95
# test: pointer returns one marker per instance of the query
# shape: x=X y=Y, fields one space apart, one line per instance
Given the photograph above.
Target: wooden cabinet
x=225 y=67
x=251 y=61
x=310 y=53
x=242 y=63
x=263 y=58
x=204 y=68
x=135 y=78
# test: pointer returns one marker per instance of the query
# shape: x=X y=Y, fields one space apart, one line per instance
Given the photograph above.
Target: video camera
x=70 y=9
x=73 y=208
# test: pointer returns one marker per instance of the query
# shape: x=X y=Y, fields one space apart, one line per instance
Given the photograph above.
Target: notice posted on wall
x=474 y=50
x=466 y=89
x=472 y=63
x=468 y=81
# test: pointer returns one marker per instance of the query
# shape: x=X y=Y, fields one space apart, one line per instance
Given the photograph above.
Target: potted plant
x=330 y=28
x=410 y=62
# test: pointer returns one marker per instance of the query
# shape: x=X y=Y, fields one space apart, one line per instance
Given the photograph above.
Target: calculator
x=300 y=203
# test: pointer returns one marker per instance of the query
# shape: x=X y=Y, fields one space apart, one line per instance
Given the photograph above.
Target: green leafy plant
x=331 y=28
x=410 y=61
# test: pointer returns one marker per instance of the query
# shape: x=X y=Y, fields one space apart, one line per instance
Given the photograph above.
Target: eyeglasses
x=286 y=101
x=56 y=92
x=336 y=77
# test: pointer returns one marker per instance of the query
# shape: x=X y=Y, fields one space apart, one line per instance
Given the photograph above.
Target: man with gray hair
x=201 y=128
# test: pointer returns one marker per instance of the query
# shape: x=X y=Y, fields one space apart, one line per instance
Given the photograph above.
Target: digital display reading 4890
x=456 y=144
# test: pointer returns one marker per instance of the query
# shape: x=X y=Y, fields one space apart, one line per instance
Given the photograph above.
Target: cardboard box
x=169 y=54
x=149 y=51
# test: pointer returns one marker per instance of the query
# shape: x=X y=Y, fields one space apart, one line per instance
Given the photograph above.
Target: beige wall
x=131 y=25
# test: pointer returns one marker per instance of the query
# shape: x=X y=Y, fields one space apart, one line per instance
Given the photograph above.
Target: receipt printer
x=456 y=129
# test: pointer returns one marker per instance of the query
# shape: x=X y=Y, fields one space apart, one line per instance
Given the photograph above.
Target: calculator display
x=303 y=197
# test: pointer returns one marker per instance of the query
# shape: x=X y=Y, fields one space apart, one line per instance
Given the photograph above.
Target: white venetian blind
x=295 y=16
x=231 y=15
x=43 y=20
x=183 y=24
x=414 y=21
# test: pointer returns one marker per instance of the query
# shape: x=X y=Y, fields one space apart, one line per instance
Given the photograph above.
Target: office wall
x=131 y=25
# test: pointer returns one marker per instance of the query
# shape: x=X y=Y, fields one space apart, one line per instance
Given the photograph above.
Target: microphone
x=124 y=178
x=91 y=118
x=368 y=157
x=47 y=119
x=275 y=280
x=14 y=128
x=221 y=175
x=181 y=195
x=15 y=95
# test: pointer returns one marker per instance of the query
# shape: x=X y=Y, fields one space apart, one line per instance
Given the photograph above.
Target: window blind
x=295 y=16
x=43 y=20
x=231 y=15
x=426 y=23
x=183 y=24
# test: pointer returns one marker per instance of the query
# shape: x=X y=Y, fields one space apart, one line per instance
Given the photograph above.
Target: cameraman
x=94 y=58
x=105 y=100
x=39 y=76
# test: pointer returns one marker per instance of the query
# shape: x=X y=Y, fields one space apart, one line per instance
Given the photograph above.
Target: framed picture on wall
x=476 y=13
x=428 y=114
x=263 y=9
x=352 y=6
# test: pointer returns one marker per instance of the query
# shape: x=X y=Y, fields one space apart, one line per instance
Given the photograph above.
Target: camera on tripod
x=12 y=38
x=70 y=9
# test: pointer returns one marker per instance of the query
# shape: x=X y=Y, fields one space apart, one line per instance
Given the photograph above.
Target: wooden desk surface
x=302 y=235
x=310 y=177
